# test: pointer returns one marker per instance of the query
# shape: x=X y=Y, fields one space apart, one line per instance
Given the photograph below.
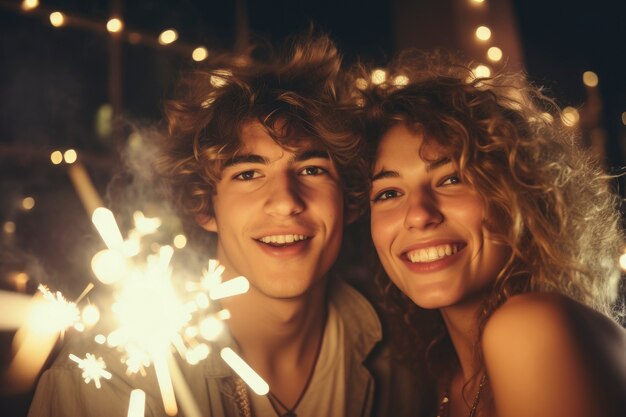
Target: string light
x=481 y=71
x=494 y=54
x=56 y=157
x=199 y=54
x=9 y=228
x=57 y=19
x=28 y=203
x=590 y=79
x=180 y=241
x=483 y=33
x=400 y=80
x=115 y=25
x=70 y=156
x=168 y=36
x=570 y=116
x=379 y=76
x=360 y=83
x=30 y=4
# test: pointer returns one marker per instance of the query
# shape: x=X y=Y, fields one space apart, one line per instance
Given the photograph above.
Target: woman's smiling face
x=427 y=226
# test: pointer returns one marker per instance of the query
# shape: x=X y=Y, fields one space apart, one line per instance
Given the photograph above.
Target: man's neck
x=279 y=338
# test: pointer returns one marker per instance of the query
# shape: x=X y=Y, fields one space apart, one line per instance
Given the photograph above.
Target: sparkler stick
x=137 y=403
x=244 y=370
x=165 y=384
x=84 y=187
x=106 y=225
x=183 y=393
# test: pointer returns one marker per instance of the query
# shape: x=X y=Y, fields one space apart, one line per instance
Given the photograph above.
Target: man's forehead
x=255 y=137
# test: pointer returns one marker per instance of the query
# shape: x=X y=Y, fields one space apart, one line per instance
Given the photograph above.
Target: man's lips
x=282 y=239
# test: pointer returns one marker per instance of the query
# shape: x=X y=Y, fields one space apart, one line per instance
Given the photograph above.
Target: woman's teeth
x=433 y=253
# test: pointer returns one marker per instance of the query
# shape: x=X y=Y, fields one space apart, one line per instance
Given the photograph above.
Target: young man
x=259 y=155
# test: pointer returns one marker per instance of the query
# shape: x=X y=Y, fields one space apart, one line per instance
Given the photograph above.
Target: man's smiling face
x=279 y=215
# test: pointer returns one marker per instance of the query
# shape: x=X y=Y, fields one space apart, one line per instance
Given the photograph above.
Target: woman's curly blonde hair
x=562 y=218
x=292 y=93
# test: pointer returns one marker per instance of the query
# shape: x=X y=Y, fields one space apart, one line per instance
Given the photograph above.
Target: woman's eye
x=246 y=176
x=386 y=195
x=451 y=180
x=313 y=171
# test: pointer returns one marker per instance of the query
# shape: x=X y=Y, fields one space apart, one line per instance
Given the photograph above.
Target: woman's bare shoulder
x=549 y=355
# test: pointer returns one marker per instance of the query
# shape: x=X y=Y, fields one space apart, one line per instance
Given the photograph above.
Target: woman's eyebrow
x=438 y=163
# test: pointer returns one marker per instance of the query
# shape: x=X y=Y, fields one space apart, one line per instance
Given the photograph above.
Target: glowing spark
x=254 y=381
x=165 y=384
x=106 y=225
x=230 y=288
x=137 y=403
x=59 y=313
x=93 y=368
x=146 y=225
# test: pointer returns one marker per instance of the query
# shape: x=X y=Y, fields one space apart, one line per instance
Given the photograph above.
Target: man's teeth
x=282 y=239
x=433 y=253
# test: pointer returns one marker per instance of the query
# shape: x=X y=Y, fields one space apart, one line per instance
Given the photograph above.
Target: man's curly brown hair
x=291 y=93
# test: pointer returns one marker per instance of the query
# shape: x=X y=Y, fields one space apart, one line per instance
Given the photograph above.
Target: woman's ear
x=207 y=222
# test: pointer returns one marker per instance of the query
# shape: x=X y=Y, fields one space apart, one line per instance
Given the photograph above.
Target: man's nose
x=284 y=197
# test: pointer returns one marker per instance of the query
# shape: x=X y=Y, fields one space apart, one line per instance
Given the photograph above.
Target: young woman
x=501 y=240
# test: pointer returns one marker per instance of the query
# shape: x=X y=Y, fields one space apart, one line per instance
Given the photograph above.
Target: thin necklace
x=275 y=402
x=445 y=400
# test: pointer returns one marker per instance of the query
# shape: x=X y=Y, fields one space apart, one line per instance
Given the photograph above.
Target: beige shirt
x=325 y=395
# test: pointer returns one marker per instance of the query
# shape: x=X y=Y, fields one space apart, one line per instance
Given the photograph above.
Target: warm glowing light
x=400 y=80
x=9 y=227
x=93 y=368
x=57 y=19
x=235 y=286
x=379 y=76
x=211 y=328
x=106 y=225
x=220 y=78
x=145 y=225
x=30 y=4
x=28 y=203
x=137 y=403
x=109 y=266
x=200 y=54
x=56 y=314
x=547 y=117
x=70 y=156
x=21 y=279
x=90 y=315
x=590 y=79
x=622 y=261
x=100 y=339
x=254 y=381
x=180 y=241
x=570 y=116
x=494 y=54
x=115 y=25
x=481 y=71
x=483 y=33
x=360 y=83
x=477 y=1
x=168 y=36
x=56 y=157
x=624 y=118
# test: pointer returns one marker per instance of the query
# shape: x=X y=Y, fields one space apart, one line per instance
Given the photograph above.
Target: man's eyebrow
x=246 y=159
x=384 y=173
x=310 y=154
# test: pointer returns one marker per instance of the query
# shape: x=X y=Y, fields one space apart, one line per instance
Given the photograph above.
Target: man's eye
x=246 y=176
x=313 y=171
x=385 y=195
x=451 y=180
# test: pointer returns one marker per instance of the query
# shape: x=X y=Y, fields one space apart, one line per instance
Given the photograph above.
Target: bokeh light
x=28 y=203
x=400 y=80
x=9 y=227
x=624 y=118
x=30 y=4
x=483 y=33
x=180 y=241
x=590 y=79
x=570 y=116
x=360 y=83
x=70 y=156
x=379 y=76
x=57 y=19
x=494 y=54
x=200 y=54
x=622 y=261
x=482 y=71
x=168 y=36
x=56 y=157
x=115 y=25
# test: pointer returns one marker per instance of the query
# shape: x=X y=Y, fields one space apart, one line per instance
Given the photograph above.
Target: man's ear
x=207 y=222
